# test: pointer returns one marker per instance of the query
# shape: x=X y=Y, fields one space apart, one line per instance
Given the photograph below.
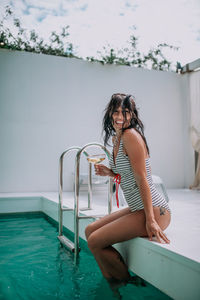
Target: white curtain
x=194 y=81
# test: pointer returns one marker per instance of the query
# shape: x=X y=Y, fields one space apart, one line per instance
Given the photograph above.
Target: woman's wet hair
x=127 y=102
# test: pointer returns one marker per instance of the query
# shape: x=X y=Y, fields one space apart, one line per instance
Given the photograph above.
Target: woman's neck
x=118 y=134
x=117 y=139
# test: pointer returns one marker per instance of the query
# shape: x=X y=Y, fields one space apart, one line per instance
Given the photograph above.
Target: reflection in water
x=104 y=290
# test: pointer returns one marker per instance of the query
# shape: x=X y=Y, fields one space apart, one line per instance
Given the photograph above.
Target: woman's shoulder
x=134 y=141
x=132 y=137
x=130 y=133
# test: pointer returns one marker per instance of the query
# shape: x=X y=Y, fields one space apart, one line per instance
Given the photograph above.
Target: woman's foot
x=116 y=283
x=138 y=281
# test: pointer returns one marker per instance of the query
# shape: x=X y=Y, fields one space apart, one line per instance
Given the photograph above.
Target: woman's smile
x=119 y=121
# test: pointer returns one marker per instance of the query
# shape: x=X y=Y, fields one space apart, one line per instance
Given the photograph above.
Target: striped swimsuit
x=128 y=184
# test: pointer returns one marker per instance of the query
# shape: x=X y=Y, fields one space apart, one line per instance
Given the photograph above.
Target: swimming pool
x=33 y=265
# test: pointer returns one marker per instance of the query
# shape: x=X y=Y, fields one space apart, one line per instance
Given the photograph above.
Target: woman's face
x=119 y=121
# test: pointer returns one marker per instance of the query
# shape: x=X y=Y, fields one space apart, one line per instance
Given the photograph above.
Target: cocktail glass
x=96 y=158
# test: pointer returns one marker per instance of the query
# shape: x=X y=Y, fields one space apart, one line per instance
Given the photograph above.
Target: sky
x=97 y=23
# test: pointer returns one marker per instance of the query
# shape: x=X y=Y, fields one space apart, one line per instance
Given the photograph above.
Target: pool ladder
x=74 y=246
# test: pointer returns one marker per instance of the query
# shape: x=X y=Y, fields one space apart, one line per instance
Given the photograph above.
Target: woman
x=147 y=214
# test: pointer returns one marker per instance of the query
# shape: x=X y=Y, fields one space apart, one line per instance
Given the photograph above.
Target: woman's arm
x=102 y=170
x=136 y=151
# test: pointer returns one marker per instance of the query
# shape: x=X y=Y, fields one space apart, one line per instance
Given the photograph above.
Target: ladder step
x=91 y=217
x=66 y=209
x=66 y=242
x=85 y=208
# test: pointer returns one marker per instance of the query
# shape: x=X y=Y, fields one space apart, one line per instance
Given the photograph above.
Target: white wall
x=49 y=103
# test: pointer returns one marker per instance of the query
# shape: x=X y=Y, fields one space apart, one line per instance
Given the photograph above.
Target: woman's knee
x=88 y=230
x=93 y=242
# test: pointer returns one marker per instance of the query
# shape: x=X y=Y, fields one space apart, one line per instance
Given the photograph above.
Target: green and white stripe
x=129 y=186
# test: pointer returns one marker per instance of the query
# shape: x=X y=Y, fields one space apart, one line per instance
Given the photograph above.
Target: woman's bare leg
x=124 y=228
x=100 y=241
x=98 y=224
x=105 y=220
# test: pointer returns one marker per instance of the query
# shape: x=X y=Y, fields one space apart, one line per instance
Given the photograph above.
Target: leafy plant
x=30 y=41
x=131 y=56
x=58 y=45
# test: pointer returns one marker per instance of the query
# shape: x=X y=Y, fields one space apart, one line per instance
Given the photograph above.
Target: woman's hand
x=102 y=170
x=153 y=229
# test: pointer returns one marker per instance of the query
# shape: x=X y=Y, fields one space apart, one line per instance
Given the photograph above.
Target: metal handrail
x=61 y=208
x=76 y=208
x=61 y=187
x=66 y=242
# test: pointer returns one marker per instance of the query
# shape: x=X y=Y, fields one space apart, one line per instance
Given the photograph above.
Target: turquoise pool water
x=33 y=265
